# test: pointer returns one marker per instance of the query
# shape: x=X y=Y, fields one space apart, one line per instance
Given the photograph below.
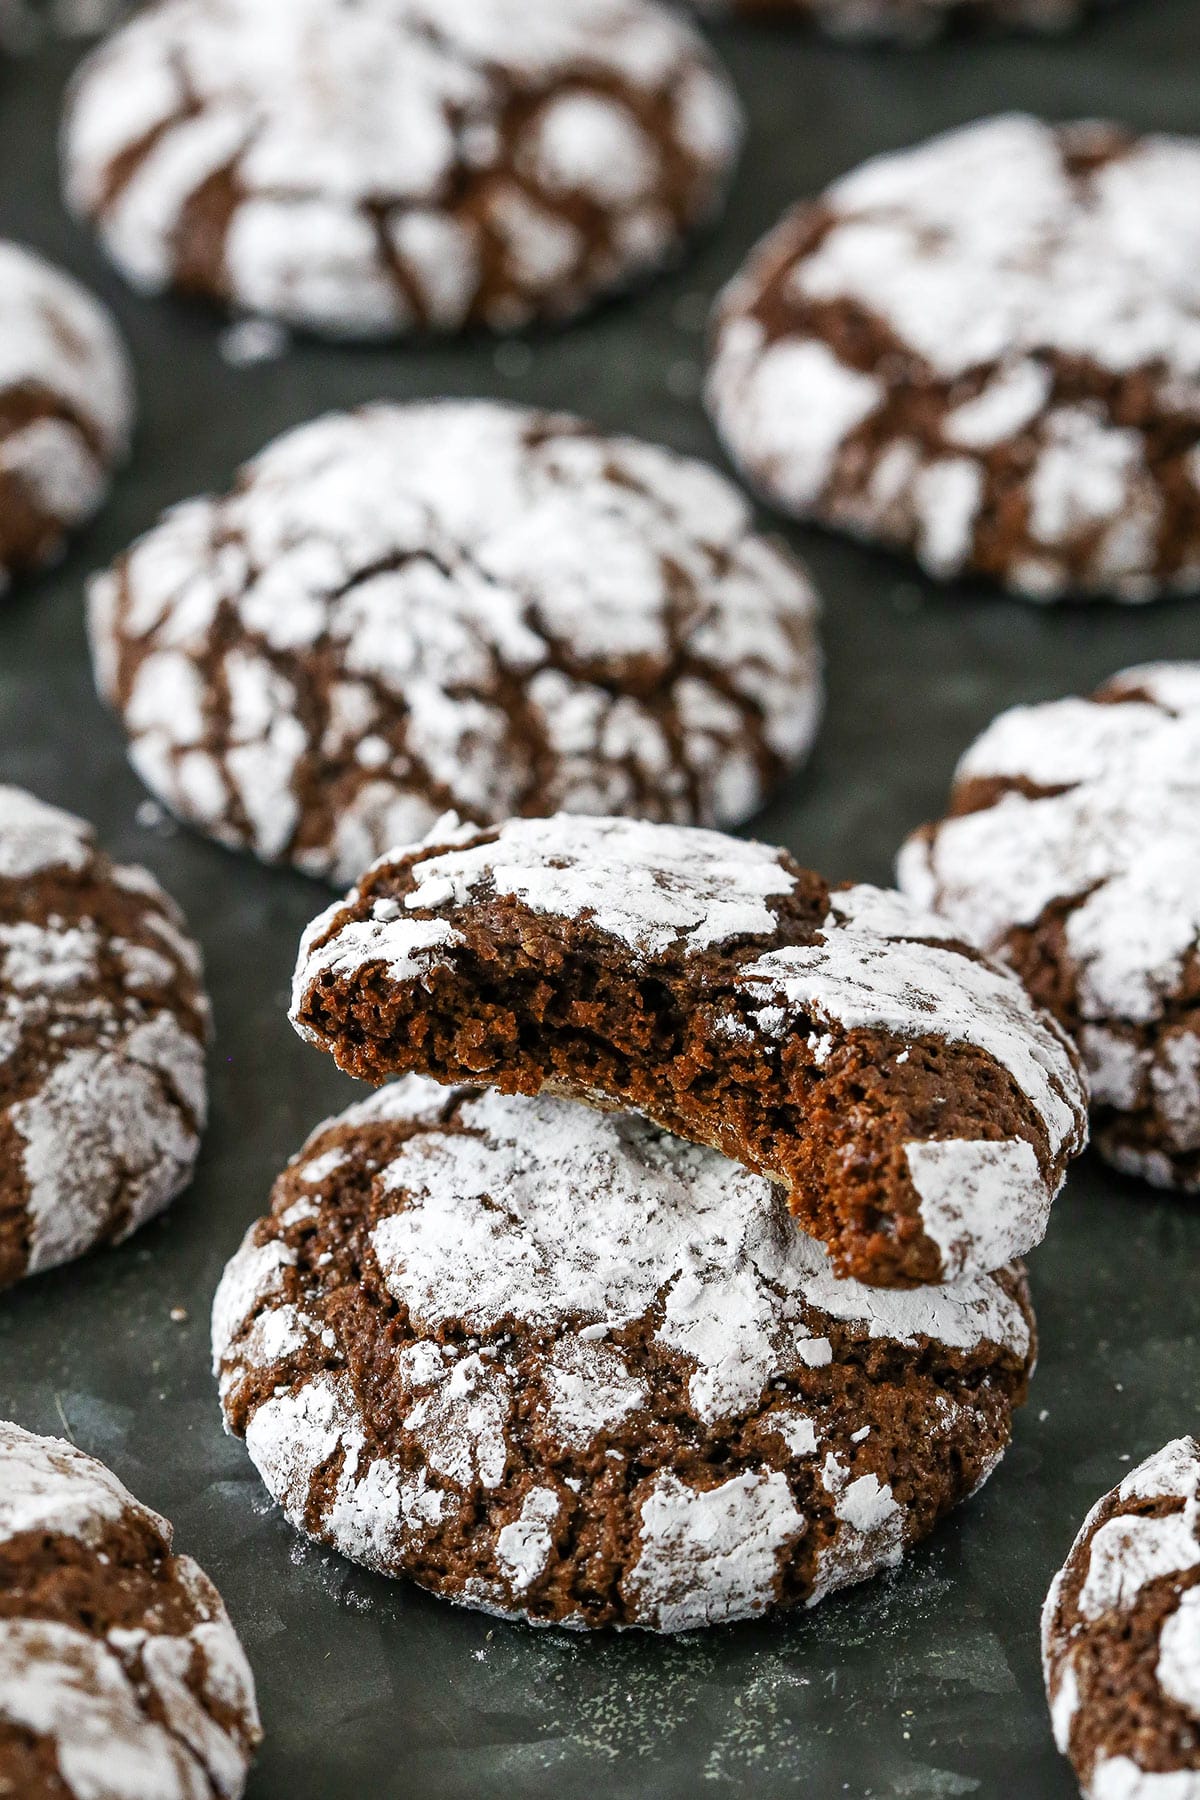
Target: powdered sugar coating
x=138 y=1711
x=878 y=963
x=102 y=1029
x=689 y=1280
x=456 y=604
x=366 y=169
x=66 y=397
x=1121 y=1635
x=1009 y=282
x=1092 y=814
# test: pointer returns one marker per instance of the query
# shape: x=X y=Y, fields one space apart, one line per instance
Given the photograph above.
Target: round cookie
x=917 y=1108
x=103 y=1022
x=1121 y=1636
x=1072 y=852
x=367 y=167
x=552 y=1362
x=66 y=408
x=985 y=351
x=121 y=1677
x=455 y=605
x=906 y=21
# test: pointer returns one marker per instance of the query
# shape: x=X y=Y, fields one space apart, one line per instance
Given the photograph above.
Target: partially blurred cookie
x=66 y=408
x=985 y=351
x=553 y=1362
x=366 y=167
x=121 y=1677
x=456 y=605
x=908 y=21
x=1072 y=851
x=103 y=1022
x=1121 y=1636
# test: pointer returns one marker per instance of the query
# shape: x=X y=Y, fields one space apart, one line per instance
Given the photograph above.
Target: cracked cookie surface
x=985 y=351
x=556 y=1363
x=120 y=1673
x=66 y=408
x=362 y=169
x=409 y=609
x=1072 y=851
x=103 y=1022
x=1121 y=1636
x=916 y=1106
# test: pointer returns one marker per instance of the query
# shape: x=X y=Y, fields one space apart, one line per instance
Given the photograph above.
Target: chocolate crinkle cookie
x=66 y=408
x=456 y=605
x=367 y=167
x=985 y=351
x=907 y=21
x=552 y=1362
x=917 y=1107
x=103 y=1022
x=1072 y=852
x=1121 y=1636
x=121 y=1677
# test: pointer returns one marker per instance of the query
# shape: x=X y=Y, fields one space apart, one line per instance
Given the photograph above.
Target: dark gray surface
x=924 y=1684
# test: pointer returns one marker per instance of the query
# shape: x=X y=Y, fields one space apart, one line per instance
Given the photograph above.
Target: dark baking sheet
x=924 y=1684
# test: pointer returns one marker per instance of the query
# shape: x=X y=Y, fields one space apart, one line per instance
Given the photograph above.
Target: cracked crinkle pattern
x=103 y=1022
x=66 y=408
x=917 y=1106
x=1072 y=851
x=456 y=605
x=366 y=167
x=1121 y=1636
x=121 y=1677
x=985 y=351
x=907 y=21
x=553 y=1362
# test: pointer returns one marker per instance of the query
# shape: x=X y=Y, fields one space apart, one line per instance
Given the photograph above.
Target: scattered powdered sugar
x=405 y=569
x=387 y=158
x=1120 y=846
x=708 y=1556
x=88 y=1695
x=996 y=251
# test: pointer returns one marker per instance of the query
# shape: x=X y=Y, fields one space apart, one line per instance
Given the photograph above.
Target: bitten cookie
x=103 y=1022
x=553 y=1362
x=985 y=351
x=1072 y=852
x=1121 y=1636
x=907 y=21
x=917 y=1107
x=366 y=167
x=412 y=608
x=66 y=408
x=121 y=1677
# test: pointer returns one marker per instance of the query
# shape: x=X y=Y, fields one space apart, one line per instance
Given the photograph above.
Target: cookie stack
x=685 y=1289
